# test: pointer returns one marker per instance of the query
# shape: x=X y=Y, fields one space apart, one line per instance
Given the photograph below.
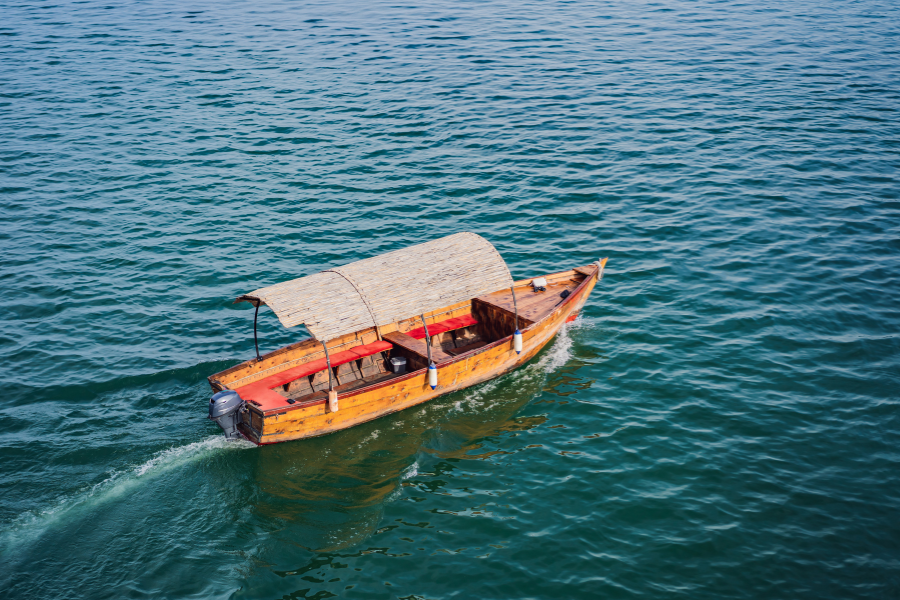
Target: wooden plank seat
x=444 y=326
x=415 y=351
x=260 y=392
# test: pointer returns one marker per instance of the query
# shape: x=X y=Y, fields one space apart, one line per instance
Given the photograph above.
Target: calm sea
x=722 y=421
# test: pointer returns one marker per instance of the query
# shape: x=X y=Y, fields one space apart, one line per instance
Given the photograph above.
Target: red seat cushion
x=261 y=391
x=442 y=326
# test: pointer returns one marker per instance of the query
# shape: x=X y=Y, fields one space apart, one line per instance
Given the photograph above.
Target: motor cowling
x=225 y=409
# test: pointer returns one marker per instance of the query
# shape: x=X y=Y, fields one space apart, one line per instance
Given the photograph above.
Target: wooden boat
x=449 y=307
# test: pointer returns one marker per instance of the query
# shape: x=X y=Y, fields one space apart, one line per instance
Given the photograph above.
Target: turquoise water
x=721 y=422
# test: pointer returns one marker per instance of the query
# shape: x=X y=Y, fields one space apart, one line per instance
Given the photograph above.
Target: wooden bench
x=415 y=351
x=260 y=392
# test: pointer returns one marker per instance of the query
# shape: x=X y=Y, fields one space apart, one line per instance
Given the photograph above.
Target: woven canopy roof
x=387 y=288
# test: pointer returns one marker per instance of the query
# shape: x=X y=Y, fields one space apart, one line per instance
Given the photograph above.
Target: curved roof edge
x=387 y=288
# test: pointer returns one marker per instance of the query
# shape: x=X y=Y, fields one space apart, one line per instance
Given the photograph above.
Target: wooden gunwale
x=575 y=294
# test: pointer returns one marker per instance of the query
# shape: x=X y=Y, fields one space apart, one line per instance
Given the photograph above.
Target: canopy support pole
x=515 y=306
x=427 y=338
x=361 y=295
x=255 y=339
x=328 y=362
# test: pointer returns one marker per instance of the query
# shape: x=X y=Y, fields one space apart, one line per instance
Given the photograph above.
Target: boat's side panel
x=398 y=394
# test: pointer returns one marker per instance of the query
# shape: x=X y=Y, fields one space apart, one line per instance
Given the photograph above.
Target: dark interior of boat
x=492 y=317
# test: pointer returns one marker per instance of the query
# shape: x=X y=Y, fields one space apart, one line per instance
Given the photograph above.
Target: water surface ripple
x=721 y=422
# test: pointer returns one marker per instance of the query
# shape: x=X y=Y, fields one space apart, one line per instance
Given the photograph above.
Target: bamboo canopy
x=387 y=288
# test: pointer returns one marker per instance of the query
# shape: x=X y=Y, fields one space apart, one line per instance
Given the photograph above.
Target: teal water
x=721 y=422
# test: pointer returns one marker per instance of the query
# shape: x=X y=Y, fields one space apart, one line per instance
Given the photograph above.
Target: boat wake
x=31 y=525
x=558 y=355
x=410 y=472
x=561 y=351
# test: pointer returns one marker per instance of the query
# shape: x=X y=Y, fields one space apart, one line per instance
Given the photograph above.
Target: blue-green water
x=722 y=421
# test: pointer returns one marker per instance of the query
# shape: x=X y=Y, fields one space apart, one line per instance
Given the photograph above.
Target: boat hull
x=373 y=402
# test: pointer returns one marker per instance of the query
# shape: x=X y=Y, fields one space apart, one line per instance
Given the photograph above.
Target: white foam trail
x=474 y=397
x=31 y=525
x=560 y=353
x=369 y=438
x=410 y=471
x=557 y=356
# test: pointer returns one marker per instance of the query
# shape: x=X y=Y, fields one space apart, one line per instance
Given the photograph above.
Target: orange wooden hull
x=378 y=400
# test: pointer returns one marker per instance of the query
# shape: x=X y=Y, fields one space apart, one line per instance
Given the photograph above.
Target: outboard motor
x=224 y=409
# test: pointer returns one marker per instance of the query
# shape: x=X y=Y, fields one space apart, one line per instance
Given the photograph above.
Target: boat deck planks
x=533 y=306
